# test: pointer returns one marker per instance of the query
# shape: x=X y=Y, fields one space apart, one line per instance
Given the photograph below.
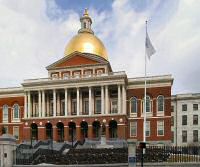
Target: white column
x=90 y=101
x=78 y=100
x=29 y=104
x=119 y=99
x=66 y=98
x=39 y=103
x=102 y=100
x=58 y=104
x=54 y=102
x=106 y=100
x=25 y=105
x=33 y=108
x=43 y=103
x=124 y=99
x=81 y=103
x=47 y=105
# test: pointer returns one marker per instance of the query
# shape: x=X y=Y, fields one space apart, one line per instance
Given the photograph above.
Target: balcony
x=78 y=77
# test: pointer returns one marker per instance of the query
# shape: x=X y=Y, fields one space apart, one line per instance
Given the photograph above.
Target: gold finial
x=86 y=12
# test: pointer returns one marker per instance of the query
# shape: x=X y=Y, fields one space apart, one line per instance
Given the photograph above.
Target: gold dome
x=85 y=41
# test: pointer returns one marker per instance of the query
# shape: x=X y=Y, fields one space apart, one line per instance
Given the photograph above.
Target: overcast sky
x=34 y=33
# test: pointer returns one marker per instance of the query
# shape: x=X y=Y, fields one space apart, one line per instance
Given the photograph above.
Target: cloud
x=34 y=34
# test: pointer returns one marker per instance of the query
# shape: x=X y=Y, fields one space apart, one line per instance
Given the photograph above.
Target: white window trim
x=135 y=129
x=134 y=114
x=18 y=131
x=149 y=129
x=111 y=105
x=148 y=114
x=163 y=128
x=161 y=112
x=13 y=113
x=5 y=120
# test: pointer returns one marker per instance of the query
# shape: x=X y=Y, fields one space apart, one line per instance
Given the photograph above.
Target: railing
x=74 y=77
x=169 y=154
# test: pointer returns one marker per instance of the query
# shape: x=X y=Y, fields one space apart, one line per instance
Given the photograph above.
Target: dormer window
x=65 y=75
x=77 y=74
x=54 y=76
x=99 y=72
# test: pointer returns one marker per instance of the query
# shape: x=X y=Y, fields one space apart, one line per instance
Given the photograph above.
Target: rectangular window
x=172 y=121
x=184 y=119
x=195 y=135
x=160 y=128
x=195 y=107
x=172 y=137
x=98 y=106
x=6 y=129
x=16 y=132
x=62 y=111
x=74 y=107
x=77 y=74
x=172 y=108
x=148 y=132
x=51 y=108
x=133 y=128
x=113 y=106
x=85 y=107
x=195 y=119
x=184 y=107
x=184 y=136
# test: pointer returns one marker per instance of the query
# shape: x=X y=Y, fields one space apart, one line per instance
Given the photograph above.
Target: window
x=51 y=108
x=98 y=106
x=4 y=129
x=184 y=136
x=65 y=75
x=84 y=25
x=160 y=103
x=148 y=104
x=99 y=72
x=54 y=76
x=148 y=133
x=62 y=111
x=88 y=73
x=195 y=135
x=195 y=107
x=74 y=107
x=172 y=138
x=5 y=113
x=184 y=119
x=16 y=111
x=172 y=108
x=184 y=107
x=172 y=121
x=160 y=128
x=16 y=132
x=85 y=106
x=133 y=128
x=133 y=104
x=113 y=106
x=195 y=119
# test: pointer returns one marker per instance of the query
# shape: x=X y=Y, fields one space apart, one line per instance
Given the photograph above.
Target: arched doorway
x=60 y=131
x=96 y=129
x=72 y=131
x=34 y=131
x=113 y=129
x=49 y=131
x=84 y=129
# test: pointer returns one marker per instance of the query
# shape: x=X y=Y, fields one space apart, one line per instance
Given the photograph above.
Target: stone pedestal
x=7 y=150
x=131 y=152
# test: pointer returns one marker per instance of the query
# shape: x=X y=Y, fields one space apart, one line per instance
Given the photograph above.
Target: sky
x=34 y=33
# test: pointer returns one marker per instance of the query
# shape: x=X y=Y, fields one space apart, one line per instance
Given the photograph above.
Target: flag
x=149 y=47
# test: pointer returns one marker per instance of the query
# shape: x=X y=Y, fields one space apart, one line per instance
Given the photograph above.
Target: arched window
x=5 y=113
x=148 y=104
x=160 y=103
x=133 y=105
x=16 y=111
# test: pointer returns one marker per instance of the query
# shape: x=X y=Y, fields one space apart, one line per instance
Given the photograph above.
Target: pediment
x=77 y=59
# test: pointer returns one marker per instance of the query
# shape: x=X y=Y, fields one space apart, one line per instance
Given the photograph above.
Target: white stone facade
x=185 y=115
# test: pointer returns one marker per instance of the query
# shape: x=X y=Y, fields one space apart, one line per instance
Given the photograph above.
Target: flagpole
x=145 y=91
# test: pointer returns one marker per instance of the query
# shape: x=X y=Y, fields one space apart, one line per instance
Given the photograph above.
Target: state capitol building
x=83 y=98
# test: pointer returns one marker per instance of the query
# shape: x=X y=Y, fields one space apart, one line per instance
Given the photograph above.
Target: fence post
x=131 y=152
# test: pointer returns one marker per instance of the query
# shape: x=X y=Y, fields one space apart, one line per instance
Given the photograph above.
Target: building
x=185 y=119
x=83 y=98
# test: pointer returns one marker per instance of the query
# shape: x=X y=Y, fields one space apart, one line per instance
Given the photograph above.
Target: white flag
x=149 y=47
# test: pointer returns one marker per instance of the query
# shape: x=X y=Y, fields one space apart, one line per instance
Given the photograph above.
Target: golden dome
x=85 y=41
